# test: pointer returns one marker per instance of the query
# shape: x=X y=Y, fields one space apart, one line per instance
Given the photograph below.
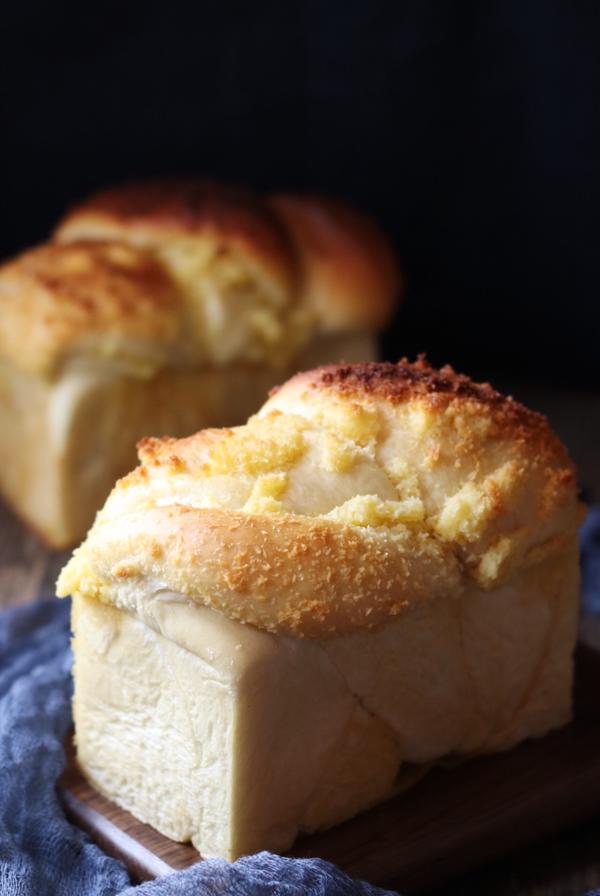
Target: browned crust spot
x=191 y=206
x=185 y=202
x=407 y=381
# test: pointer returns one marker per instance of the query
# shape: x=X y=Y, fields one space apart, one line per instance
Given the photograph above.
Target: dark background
x=470 y=129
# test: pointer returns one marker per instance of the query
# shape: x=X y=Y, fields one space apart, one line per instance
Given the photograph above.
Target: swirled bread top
x=188 y=272
x=356 y=492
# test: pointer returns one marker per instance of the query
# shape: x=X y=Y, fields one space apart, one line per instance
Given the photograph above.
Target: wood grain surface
x=451 y=822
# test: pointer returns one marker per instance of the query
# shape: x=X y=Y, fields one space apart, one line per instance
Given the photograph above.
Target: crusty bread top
x=336 y=258
x=198 y=215
x=350 y=274
x=355 y=493
x=244 y=280
x=417 y=381
x=227 y=251
x=106 y=300
x=192 y=274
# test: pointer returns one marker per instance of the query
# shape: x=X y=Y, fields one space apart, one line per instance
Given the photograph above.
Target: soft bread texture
x=160 y=307
x=237 y=739
x=239 y=709
x=385 y=555
x=66 y=440
x=354 y=494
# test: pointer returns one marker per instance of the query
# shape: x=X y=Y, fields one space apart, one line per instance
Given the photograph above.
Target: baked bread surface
x=105 y=301
x=335 y=261
x=197 y=217
x=204 y=273
x=230 y=256
x=384 y=554
x=350 y=275
x=355 y=494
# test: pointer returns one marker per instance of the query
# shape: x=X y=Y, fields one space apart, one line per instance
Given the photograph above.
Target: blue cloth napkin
x=41 y=853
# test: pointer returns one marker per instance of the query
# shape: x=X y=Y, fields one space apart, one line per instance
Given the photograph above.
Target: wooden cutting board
x=451 y=822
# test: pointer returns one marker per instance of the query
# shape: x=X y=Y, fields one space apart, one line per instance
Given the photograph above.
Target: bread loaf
x=378 y=570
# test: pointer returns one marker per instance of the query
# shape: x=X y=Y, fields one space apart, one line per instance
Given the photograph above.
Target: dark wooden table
x=566 y=865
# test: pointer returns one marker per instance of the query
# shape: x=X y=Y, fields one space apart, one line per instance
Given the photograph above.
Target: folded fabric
x=40 y=851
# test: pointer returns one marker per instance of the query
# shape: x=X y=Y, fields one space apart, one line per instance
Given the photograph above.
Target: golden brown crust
x=402 y=381
x=407 y=381
x=103 y=299
x=285 y=574
x=334 y=258
x=188 y=205
x=148 y=213
x=503 y=456
x=354 y=494
x=351 y=277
